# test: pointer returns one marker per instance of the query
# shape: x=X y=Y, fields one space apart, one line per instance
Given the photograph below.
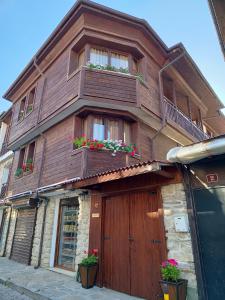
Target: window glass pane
x=113 y=130
x=119 y=61
x=30 y=101
x=127 y=134
x=98 y=57
x=98 y=129
x=68 y=237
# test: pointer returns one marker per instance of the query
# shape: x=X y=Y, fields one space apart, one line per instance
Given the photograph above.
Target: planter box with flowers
x=87 y=269
x=100 y=156
x=173 y=287
x=27 y=168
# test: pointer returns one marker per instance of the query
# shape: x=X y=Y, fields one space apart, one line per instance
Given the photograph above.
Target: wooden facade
x=60 y=95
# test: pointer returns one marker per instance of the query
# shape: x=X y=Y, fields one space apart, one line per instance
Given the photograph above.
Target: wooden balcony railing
x=3 y=190
x=173 y=113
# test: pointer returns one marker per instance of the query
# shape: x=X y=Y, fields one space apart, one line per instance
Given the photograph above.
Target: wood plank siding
x=66 y=88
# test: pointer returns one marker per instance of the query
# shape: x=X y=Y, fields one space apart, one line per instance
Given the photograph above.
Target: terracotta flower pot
x=88 y=275
x=175 y=290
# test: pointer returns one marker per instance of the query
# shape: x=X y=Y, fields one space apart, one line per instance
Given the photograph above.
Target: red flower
x=24 y=167
x=132 y=153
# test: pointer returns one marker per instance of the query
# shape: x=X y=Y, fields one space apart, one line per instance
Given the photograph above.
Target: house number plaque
x=95 y=215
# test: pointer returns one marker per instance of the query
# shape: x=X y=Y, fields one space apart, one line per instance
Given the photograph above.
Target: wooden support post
x=200 y=118
x=189 y=107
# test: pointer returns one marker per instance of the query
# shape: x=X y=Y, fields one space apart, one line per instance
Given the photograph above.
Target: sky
x=25 y=25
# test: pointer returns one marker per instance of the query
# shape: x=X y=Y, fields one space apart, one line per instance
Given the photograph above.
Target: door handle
x=155 y=241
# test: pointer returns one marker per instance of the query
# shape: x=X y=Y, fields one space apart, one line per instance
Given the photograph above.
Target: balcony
x=176 y=115
x=108 y=86
x=3 y=190
x=91 y=162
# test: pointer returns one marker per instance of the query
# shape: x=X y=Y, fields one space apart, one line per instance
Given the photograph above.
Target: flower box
x=175 y=290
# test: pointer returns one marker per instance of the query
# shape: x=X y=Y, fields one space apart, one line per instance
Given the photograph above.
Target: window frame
x=90 y=125
x=109 y=52
x=26 y=98
x=25 y=158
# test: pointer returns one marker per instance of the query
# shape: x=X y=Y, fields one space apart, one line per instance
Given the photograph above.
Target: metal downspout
x=164 y=122
x=161 y=84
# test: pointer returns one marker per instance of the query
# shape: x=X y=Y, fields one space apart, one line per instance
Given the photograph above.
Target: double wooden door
x=133 y=244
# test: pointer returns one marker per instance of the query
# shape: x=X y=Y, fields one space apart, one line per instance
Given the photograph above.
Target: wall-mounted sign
x=211 y=178
x=96 y=215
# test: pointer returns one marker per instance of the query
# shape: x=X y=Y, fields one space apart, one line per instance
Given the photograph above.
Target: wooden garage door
x=134 y=244
x=23 y=236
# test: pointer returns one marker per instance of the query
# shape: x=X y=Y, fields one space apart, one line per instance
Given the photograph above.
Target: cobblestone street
x=9 y=294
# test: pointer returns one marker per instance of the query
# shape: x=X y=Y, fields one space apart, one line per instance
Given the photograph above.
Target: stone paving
x=47 y=285
x=9 y=294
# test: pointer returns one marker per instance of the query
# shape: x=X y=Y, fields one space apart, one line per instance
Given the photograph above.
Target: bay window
x=109 y=58
x=107 y=128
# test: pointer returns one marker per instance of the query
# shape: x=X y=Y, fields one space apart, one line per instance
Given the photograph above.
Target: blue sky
x=26 y=24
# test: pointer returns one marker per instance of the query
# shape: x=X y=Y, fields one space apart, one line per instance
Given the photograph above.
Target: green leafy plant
x=19 y=172
x=91 y=259
x=140 y=77
x=29 y=108
x=114 y=146
x=108 y=68
x=170 y=270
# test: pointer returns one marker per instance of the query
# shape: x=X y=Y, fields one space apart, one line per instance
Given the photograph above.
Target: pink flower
x=172 y=262
x=164 y=264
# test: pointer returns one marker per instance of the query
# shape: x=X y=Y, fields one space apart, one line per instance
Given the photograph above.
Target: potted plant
x=19 y=172
x=88 y=269
x=173 y=287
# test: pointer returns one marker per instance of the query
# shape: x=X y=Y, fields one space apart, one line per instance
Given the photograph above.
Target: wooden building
x=105 y=75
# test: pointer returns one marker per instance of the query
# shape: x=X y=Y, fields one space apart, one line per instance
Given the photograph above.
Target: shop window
x=67 y=234
x=22 y=109
x=30 y=102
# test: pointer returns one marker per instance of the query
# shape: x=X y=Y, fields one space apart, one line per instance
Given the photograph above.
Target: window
x=30 y=102
x=107 y=128
x=119 y=61
x=99 y=57
x=21 y=158
x=22 y=109
x=26 y=160
x=77 y=59
x=104 y=58
x=98 y=129
x=27 y=104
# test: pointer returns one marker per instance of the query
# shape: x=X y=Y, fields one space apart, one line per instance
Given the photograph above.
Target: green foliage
x=108 y=68
x=140 y=77
x=170 y=270
x=89 y=261
x=19 y=172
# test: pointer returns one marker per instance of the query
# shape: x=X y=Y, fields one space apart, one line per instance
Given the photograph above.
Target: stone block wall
x=5 y=229
x=11 y=232
x=83 y=228
x=179 y=244
x=47 y=238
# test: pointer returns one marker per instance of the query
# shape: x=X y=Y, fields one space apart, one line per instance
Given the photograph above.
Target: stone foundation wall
x=83 y=228
x=48 y=228
x=4 y=233
x=11 y=232
x=179 y=243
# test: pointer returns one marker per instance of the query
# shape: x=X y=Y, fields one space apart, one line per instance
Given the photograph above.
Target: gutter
x=20 y=195
x=195 y=152
x=56 y=185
